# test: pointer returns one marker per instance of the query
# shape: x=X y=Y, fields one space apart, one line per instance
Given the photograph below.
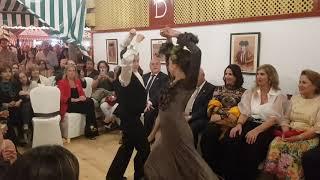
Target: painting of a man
x=244 y=51
x=244 y=55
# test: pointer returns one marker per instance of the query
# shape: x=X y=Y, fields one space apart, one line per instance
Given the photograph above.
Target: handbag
x=287 y=134
x=100 y=93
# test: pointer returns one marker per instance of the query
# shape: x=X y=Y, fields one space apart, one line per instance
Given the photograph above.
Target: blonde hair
x=272 y=75
x=66 y=70
x=314 y=77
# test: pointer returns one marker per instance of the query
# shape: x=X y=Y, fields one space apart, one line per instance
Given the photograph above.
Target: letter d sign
x=157 y=4
x=161 y=13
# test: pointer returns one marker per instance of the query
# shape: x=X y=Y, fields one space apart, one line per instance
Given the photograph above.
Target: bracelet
x=241 y=123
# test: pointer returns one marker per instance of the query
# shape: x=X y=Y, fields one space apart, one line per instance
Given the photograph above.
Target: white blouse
x=250 y=104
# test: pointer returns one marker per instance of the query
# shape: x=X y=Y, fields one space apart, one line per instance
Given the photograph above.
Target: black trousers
x=241 y=160
x=311 y=164
x=197 y=126
x=134 y=136
x=14 y=121
x=149 y=120
x=27 y=112
x=85 y=107
x=211 y=147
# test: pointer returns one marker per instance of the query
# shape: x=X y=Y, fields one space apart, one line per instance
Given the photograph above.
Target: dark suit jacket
x=199 y=108
x=161 y=81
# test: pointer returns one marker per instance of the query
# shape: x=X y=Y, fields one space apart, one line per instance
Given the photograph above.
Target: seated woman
x=44 y=70
x=25 y=86
x=73 y=100
x=222 y=118
x=45 y=162
x=90 y=71
x=300 y=127
x=247 y=144
x=103 y=87
x=10 y=99
x=37 y=77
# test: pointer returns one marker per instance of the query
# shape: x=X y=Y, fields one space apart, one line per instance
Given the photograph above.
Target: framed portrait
x=245 y=51
x=155 y=47
x=112 y=51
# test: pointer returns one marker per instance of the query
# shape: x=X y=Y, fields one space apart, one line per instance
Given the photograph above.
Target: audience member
x=196 y=108
x=45 y=163
x=26 y=86
x=10 y=99
x=44 y=70
x=300 y=128
x=261 y=108
x=154 y=82
x=48 y=56
x=223 y=113
x=8 y=154
x=73 y=100
x=29 y=60
x=90 y=71
x=6 y=56
x=37 y=77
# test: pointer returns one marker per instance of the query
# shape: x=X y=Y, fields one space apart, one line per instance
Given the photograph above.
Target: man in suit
x=196 y=108
x=154 y=82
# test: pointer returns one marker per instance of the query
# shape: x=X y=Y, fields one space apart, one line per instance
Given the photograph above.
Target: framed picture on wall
x=112 y=51
x=155 y=47
x=245 y=51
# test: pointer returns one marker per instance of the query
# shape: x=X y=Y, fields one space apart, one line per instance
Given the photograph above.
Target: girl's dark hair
x=314 y=77
x=3 y=68
x=178 y=55
x=33 y=51
x=26 y=74
x=45 y=64
x=62 y=56
x=102 y=62
x=117 y=71
x=236 y=71
x=45 y=163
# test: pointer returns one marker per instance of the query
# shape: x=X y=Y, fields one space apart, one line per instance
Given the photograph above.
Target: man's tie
x=150 y=82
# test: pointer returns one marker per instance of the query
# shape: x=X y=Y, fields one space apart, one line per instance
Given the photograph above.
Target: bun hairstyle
x=178 y=53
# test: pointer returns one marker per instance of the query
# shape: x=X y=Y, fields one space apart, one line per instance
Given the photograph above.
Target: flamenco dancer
x=174 y=155
x=132 y=98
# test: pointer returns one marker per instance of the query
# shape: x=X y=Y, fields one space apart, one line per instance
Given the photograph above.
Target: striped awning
x=64 y=17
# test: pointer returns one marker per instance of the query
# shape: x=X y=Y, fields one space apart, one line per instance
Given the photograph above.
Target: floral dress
x=284 y=158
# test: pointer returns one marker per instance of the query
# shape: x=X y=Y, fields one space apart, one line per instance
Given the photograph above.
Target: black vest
x=132 y=99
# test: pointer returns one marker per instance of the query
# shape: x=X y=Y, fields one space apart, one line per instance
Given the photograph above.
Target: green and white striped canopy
x=65 y=17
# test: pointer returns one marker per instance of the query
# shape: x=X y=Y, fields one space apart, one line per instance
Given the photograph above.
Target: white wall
x=289 y=45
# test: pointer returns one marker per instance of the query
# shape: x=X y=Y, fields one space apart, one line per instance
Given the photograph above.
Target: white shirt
x=250 y=104
x=155 y=76
x=193 y=97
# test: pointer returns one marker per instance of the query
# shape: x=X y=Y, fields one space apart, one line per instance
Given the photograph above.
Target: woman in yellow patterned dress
x=300 y=127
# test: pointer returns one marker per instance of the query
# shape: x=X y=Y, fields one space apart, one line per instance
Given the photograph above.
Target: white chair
x=73 y=124
x=45 y=103
x=88 y=89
